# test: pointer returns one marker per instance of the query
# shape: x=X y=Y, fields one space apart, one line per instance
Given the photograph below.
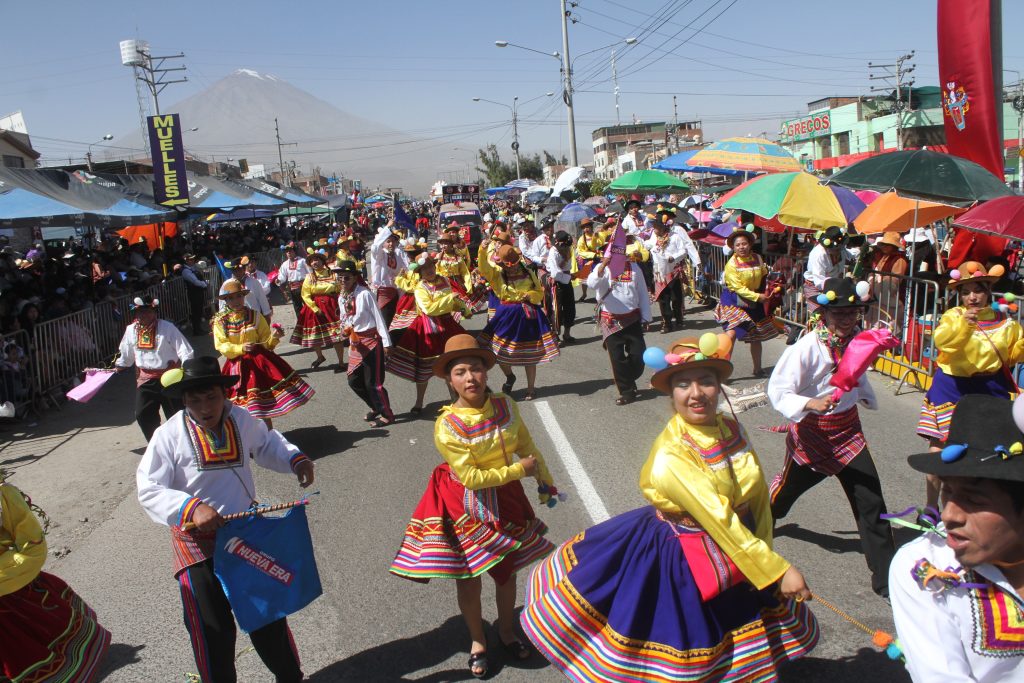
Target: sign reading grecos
x=812 y=126
x=170 y=184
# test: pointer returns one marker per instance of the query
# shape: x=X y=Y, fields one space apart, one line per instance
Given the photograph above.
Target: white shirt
x=665 y=258
x=367 y=315
x=256 y=299
x=264 y=281
x=171 y=346
x=558 y=268
x=618 y=297
x=803 y=372
x=381 y=274
x=688 y=245
x=525 y=244
x=171 y=474
x=821 y=268
x=292 y=271
x=632 y=225
x=943 y=634
x=539 y=250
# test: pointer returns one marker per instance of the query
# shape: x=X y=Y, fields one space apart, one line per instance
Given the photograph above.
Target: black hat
x=984 y=442
x=562 y=237
x=342 y=267
x=631 y=203
x=195 y=373
x=658 y=208
x=832 y=237
x=840 y=292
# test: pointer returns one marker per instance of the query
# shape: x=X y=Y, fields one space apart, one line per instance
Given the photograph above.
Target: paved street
x=79 y=465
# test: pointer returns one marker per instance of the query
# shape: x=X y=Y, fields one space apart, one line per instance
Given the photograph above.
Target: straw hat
x=230 y=287
x=462 y=346
x=890 y=238
x=686 y=354
x=972 y=271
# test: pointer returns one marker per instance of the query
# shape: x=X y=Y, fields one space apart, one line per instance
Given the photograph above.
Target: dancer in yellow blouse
x=588 y=253
x=474 y=516
x=268 y=386
x=318 y=322
x=978 y=346
x=48 y=632
x=699 y=593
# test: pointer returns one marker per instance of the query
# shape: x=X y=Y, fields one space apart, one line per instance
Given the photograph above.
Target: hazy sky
x=738 y=65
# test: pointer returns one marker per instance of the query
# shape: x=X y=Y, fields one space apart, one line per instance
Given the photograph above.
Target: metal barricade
x=17 y=380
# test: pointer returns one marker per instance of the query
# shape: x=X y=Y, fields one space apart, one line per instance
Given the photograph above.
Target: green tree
x=496 y=171
x=599 y=186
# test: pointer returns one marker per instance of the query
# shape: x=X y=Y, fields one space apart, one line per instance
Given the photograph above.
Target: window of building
x=824 y=147
x=843 y=143
x=879 y=142
x=11 y=161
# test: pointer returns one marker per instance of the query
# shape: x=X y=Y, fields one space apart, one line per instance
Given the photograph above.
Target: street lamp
x=515 y=120
x=88 y=154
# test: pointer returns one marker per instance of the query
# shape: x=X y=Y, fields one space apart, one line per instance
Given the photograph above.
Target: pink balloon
x=954 y=274
x=672 y=358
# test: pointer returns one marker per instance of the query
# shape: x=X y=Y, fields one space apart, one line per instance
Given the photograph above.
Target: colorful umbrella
x=923 y=174
x=893 y=213
x=647 y=181
x=797 y=200
x=1002 y=217
x=752 y=155
x=576 y=212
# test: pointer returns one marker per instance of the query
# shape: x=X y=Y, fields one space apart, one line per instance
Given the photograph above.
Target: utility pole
x=286 y=179
x=153 y=75
x=567 y=92
x=1018 y=105
x=615 y=83
x=515 y=133
x=900 y=74
x=675 y=125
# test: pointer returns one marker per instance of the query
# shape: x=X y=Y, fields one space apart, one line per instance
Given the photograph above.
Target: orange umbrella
x=892 y=213
x=153 y=233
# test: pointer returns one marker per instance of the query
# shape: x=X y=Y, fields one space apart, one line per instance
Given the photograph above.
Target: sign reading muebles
x=170 y=184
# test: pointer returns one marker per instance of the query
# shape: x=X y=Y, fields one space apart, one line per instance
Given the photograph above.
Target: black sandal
x=317 y=363
x=530 y=395
x=382 y=422
x=478 y=660
x=416 y=410
x=370 y=416
x=517 y=650
x=624 y=400
x=509 y=383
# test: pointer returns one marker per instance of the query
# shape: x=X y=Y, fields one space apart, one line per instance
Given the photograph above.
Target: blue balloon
x=823 y=300
x=654 y=358
x=953 y=452
x=995 y=306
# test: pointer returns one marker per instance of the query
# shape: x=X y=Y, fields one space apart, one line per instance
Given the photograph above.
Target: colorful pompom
x=822 y=300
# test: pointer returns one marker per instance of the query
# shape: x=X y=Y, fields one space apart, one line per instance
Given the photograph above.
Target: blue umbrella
x=575 y=212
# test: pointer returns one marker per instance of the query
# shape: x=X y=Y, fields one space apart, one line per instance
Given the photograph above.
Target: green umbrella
x=926 y=175
x=647 y=181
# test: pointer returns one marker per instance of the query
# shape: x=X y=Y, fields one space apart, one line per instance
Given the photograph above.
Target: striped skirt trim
x=934 y=420
x=281 y=399
x=577 y=640
x=512 y=352
x=734 y=317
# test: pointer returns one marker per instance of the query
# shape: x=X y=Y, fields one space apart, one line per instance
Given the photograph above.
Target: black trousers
x=368 y=382
x=149 y=399
x=388 y=310
x=211 y=628
x=863 y=489
x=566 y=302
x=671 y=302
x=626 y=353
x=295 y=296
x=196 y=307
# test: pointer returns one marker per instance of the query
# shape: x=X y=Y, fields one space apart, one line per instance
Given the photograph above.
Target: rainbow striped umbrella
x=751 y=155
x=797 y=200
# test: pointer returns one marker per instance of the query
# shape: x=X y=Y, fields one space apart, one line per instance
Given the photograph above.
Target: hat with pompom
x=711 y=350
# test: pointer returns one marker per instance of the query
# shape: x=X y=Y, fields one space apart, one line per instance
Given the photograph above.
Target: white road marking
x=584 y=487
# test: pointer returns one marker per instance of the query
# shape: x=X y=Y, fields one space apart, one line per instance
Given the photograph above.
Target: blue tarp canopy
x=37 y=197
x=289 y=194
x=377 y=198
x=206 y=194
x=495 y=190
x=240 y=215
x=680 y=162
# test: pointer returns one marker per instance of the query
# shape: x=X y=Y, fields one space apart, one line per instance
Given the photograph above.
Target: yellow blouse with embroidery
x=479 y=444
x=22 y=544
x=588 y=247
x=407 y=281
x=437 y=300
x=524 y=288
x=637 y=252
x=455 y=267
x=319 y=283
x=346 y=255
x=743 y=278
x=707 y=472
x=964 y=349
x=232 y=330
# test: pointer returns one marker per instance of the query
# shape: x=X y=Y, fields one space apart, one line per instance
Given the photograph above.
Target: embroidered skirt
x=268 y=387
x=456 y=533
x=619 y=603
x=473 y=298
x=413 y=356
x=520 y=334
x=49 y=634
x=318 y=329
x=751 y=324
x=405 y=312
x=946 y=390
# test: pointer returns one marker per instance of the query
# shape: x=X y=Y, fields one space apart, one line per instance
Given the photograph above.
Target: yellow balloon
x=831 y=295
x=172 y=376
x=708 y=343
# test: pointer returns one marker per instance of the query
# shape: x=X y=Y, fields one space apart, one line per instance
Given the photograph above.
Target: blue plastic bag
x=266 y=567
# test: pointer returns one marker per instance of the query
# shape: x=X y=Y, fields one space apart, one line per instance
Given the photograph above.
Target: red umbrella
x=1001 y=217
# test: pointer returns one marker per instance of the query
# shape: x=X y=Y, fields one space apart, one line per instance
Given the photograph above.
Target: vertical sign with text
x=170 y=184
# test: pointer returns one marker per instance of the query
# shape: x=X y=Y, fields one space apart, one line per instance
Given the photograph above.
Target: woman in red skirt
x=474 y=516
x=47 y=633
x=318 y=322
x=413 y=356
x=268 y=387
x=405 y=309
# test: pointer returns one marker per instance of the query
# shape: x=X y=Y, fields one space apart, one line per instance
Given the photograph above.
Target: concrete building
x=16 y=150
x=611 y=143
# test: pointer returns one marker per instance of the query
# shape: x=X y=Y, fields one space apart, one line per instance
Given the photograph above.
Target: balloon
x=726 y=250
x=997 y=270
x=655 y=358
x=708 y=343
x=699 y=356
x=1004 y=308
x=1012 y=307
x=1010 y=297
x=673 y=358
x=822 y=300
x=954 y=274
x=995 y=305
x=971 y=267
x=953 y=452
x=863 y=289
x=830 y=295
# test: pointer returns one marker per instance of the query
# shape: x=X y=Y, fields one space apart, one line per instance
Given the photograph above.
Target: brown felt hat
x=462 y=346
x=687 y=355
x=230 y=287
x=508 y=256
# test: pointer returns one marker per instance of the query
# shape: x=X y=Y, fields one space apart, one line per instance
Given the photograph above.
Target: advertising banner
x=170 y=184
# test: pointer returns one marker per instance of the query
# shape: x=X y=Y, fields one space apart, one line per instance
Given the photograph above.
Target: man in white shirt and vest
x=290 y=276
x=386 y=263
x=153 y=347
